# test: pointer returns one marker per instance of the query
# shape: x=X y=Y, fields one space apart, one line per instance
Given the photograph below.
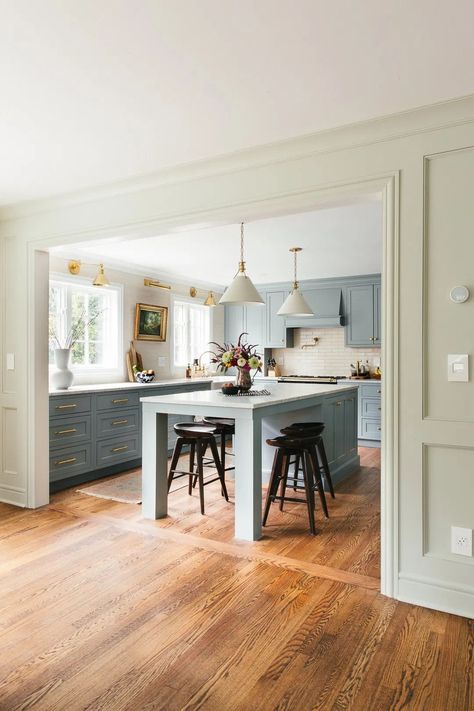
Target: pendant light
x=241 y=291
x=295 y=304
x=210 y=300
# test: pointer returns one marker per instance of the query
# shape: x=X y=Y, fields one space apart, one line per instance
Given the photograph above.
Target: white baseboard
x=435 y=594
x=11 y=495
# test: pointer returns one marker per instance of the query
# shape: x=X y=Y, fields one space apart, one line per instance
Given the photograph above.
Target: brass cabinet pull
x=123 y=399
x=119 y=449
x=65 y=407
x=60 y=432
x=120 y=422
x=338 y=404
x=65 y=461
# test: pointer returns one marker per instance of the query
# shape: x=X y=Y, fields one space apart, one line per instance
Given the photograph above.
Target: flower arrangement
x=76 y=332
x=243 y=356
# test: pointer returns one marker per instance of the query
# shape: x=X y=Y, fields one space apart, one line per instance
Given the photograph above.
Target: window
x=97 y=346
x=191 y=326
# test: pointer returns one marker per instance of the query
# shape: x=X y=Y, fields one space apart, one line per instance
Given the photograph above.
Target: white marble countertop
x=280 y=393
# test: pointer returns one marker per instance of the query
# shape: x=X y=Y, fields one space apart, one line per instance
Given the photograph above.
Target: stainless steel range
x=323 y=379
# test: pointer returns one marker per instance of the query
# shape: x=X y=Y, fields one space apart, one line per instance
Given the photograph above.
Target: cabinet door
x=276 y=325
x=350 y=424
x=360 y=330
x=339 y=429
x=255 y=325
x=377 y=314
x=234 y=322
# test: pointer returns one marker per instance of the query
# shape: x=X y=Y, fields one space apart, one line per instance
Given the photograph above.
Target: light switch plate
x=161 y=361
x=10 y=361
x=458 y=368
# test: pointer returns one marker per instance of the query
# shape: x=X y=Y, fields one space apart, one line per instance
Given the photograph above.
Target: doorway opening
x=366 y=562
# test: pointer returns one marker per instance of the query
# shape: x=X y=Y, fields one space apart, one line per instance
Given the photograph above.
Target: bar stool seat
x=198 y=436
x=225 y=427
x=313 y=429
x=288 y=446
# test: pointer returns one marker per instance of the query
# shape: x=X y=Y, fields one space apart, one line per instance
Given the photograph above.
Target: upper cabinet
x=278 y=335
x=246 y=318
x=363 y=307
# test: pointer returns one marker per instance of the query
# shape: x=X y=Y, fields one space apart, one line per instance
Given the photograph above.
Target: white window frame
x=95 y=373
x=191 y=302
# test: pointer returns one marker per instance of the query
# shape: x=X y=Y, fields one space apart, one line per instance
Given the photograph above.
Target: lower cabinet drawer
x=113 y=424
x=67 y=431
x=372 y=390
x=64 y=463
x=117 y=400
x=121 y=449
x=370 y=429
x=371 y=407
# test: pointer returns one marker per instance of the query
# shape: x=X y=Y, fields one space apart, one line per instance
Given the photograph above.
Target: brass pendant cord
x=241 y=263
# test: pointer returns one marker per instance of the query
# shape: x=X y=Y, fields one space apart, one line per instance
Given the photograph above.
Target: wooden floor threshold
x=244 y=550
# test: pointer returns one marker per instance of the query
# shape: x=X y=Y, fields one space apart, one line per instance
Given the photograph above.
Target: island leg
x=248 y=478
x=154 y=464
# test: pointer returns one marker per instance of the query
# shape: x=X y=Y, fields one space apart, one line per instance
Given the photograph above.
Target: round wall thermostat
x=459 y=294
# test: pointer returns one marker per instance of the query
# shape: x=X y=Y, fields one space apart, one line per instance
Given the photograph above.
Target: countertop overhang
x=280 y=393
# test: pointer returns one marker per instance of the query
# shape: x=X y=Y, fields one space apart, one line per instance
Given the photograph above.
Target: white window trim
x=188 y=300
x=84 y=375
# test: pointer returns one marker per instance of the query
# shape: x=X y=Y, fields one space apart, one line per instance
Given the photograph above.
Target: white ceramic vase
x=62 y=378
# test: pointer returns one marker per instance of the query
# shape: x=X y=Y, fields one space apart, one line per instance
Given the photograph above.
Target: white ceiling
x=337 y=241
x=93 y=92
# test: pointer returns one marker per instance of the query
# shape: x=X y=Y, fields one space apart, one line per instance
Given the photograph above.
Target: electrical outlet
x=461 y=540
x=161 y=361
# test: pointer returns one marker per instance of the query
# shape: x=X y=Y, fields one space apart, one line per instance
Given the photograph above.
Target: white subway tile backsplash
x=328 y=357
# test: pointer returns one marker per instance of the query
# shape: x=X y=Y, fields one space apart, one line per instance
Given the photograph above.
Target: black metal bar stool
x=224 y=427
x=286 y=448
x=313 y=429
x=198 y=436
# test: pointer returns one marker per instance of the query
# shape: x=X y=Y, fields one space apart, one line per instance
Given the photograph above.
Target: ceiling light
x=101 y=279
x=210 y=301
x=295 y=304
x=242 y=290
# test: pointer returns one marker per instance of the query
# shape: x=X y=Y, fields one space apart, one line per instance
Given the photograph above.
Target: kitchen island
x=256 y=419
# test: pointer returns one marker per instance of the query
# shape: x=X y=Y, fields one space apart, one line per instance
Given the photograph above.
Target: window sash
x=191 y=329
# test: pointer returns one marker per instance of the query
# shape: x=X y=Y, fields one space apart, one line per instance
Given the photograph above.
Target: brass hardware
x=65 y=407
x=74 y=267
x=192 y=291
x=154 y=282
x=73 y=429
x=210 y=301
x=338 y=404
x=123 y=399
x=65 y=461
x=119 y=449
x=100 y=279
x=120 y=422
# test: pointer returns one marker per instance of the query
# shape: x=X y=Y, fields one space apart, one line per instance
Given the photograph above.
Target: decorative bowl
x=231 y=390
x=144 y=378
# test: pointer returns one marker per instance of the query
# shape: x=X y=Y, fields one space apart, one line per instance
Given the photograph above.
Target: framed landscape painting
x=150 y=322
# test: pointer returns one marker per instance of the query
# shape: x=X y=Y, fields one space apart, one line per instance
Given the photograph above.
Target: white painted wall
x=135 y=292
x=294 y=174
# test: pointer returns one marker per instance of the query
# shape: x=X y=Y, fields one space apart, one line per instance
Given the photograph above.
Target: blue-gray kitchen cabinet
x=363 y=307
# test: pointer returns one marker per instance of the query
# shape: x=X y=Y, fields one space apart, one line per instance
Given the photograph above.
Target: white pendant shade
x=241 y=291
x=295 y=305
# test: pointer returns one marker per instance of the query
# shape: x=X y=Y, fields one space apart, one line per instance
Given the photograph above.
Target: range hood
x=326 y=304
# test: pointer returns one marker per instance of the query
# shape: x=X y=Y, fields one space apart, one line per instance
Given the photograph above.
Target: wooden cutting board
x=133 y=358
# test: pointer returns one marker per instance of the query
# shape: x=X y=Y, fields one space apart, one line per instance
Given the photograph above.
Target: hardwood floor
x=102 y=610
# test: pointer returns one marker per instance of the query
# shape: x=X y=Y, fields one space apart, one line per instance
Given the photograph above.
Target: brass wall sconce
x=74 y=267
x=210 y=301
